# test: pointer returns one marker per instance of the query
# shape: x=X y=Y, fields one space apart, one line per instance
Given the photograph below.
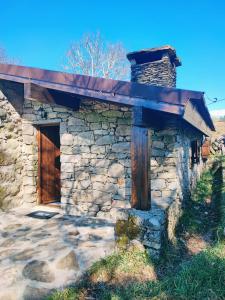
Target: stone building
x=100 y=147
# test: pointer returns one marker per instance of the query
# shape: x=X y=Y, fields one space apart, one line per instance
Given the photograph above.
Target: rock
x=67 y=139
x=136 y=245
x=94 y=118
x=118 y=214
x=105 y=140
x=33 y=293
x=112 y=113
x=98 y=178
x=69 y=261
x=172 y=185
x=84 y=138
x=67 y=167
x=75 y=121
x=153 y=245
x=102 y=214
x=100 y=163
x=108 y=188
x=121 y=147
x=12 y=227
x=39 y=271
x=23 y=255
x=158 y=152
x=158 y=184
x=97 y=149
x=85 y=183
x=28 y=129
x=123 y=130
x=74 y=232
x=8 y=295
x=7 y=243
x=158 y=145
x=116 y=170
x=154 y=163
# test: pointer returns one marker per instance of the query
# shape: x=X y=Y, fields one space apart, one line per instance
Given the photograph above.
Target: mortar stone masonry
x=159 y=73
x=95 y=155
x=96 y=163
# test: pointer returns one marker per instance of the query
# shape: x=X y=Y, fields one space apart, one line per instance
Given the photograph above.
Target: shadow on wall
x=173 y=177
x=10 y=184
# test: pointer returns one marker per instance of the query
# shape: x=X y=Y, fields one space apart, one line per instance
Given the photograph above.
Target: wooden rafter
x=36 y=92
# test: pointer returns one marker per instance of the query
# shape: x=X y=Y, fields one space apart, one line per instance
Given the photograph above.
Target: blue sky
x=39 y=33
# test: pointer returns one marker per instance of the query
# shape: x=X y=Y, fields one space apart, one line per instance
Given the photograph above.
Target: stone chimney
x=154 y=66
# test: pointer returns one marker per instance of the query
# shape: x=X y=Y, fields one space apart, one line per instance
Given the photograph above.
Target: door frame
x=38 y=127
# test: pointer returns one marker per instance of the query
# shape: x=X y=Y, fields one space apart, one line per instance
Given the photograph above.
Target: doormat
x=40 y=214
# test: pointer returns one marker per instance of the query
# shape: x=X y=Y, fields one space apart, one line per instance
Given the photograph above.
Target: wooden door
x=49 y=164
x=206 y=149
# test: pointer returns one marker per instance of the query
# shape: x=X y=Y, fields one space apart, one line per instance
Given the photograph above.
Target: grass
x=179 y=274
x=201 y=278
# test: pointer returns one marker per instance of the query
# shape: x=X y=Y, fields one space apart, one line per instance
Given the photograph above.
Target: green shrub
x=203 y=188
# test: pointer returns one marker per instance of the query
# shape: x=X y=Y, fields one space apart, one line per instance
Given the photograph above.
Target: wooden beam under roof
x=193 y=117
x=36 y=92
x=161 y=99
x=101 y=96
x=140 y=162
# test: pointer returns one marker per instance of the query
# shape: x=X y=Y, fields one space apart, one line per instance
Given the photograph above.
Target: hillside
x=220 y=129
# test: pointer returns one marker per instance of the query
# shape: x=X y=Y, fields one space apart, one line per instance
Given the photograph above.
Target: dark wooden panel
x=108 y=97
x=130 y=89
x=140 y=167
x=206 y=149
x=193 y=117
x=36 y=92
x=125 y=93
x=49 y=164
x=144 y=117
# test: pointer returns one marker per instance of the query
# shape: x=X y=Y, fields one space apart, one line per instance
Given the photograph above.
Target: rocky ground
x=40 y=255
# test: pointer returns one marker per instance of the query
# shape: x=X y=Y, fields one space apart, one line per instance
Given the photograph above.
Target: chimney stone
x=154 y=66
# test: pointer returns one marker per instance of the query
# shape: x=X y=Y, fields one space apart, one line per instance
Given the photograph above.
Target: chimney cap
x=153 y=54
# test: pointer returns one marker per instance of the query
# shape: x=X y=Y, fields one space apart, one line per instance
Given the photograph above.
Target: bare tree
x=95 y=57
x=4 y=58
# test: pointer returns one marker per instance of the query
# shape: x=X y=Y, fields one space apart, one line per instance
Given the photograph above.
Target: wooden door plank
x=39 y=167
x=140 y=165
x=49 y=164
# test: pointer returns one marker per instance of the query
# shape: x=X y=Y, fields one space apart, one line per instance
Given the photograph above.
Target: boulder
x=67 y=139
x=69 y=261
x=121 y=147
x=33 y=293
x=116 y=170
x=39 y=271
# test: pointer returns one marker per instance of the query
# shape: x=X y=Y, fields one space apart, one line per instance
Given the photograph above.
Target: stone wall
x=11 y=166
x=173 y=176
x=172 y=170
x=95 y=155
x=96 y=166
x=160 y=72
